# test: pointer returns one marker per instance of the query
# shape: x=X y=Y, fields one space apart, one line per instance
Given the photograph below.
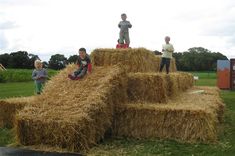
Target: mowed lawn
x=16 y=89
x=224 y=147
x=205 y=78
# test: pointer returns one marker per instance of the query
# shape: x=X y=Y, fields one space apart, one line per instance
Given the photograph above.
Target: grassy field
x=205 y=78
x=20 y=75
x=6 y=137
x=225 y=146
x=14 y=89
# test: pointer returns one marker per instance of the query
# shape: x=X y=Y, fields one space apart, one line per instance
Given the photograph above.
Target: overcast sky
x=46 y=27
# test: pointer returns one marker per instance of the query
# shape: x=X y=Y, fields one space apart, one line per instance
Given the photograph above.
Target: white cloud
x=3 y=41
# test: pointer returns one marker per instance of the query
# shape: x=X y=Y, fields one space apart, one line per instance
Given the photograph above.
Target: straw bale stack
x=131 y=60
x=123 y=93
x=157 y=87
x=9 y=107
x=72 y=114
x=188 y=118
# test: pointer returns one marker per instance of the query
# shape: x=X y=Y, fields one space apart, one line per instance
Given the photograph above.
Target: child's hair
x=37 y=62
x=168 y=37
x=123 y=14
x=82 y=49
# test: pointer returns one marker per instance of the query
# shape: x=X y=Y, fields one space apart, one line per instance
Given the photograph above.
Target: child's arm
x=129 y=25
x=89 y=68
x=163 y=48
x=34 y=75
x=119 y=25
x=45 y=74
x=170 y=49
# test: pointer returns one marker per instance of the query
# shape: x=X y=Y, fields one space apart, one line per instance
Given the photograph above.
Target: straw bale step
x=72 y=115
x=9 y=108
x=131 y=60
x=188 y=118
x=157 y=87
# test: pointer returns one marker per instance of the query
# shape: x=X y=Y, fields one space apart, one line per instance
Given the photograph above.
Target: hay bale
x=131 y=60
x=146 y=87
x=157 y=87
x=9 y=108
x=188 y=118
x=218 y=105
x=72 y=114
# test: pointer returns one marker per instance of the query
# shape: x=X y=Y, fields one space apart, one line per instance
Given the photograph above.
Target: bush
x=20 y=75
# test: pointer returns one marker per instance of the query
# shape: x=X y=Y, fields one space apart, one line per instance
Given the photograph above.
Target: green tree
x=4 y=59
x=19 y=59
x=57 y=61
x=32 y=59
x=73 y=59
x=197 y=59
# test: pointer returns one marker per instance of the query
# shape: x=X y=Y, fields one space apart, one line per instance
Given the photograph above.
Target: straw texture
x=9 y=108
x=188 y=118
x=72 y=114
x=124 y=95
x=157 y=87
x=131 y=60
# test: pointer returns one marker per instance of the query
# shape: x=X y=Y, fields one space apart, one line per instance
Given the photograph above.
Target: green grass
x=6 y=137
x=205 y=78
x=16 y=89
x=20 y=75
x=225 y=146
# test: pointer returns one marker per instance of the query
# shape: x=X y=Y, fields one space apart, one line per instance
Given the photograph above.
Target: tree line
x=198 y=59
x=194 y=59
x=24 y=60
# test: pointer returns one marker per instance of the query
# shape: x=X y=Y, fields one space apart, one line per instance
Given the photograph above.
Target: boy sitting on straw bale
x=39 y=75
x=84 y=65
x=167 y=50
x=124 y=26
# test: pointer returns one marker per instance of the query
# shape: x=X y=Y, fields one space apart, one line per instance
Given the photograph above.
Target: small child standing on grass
x=39 y=75
x=167 y=50
x=84 y=65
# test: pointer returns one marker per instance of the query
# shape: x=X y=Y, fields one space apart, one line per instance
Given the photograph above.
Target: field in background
x=205 y=78
x=20 y=75
x=225 y=146
x=16 y=89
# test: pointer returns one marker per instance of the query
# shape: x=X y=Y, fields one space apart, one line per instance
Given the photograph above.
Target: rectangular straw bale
x=218 y=105
x=143 y=121
x=157 y=87
x=73 y=115
x=185 y=80
x=171 y=84
x=188 y=118
x=146 y=87
x=9 y=108
x=132 y=60
x=72 y=134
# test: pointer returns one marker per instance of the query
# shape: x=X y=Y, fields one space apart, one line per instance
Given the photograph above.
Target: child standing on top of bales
x=124 y=26
x=39 y=75
x=84 y=65
x=167 y=50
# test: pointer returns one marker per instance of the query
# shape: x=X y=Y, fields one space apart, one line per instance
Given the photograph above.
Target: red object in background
x=223 y=79
x=232 y=74
x=119 y=46
x=223 y=74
